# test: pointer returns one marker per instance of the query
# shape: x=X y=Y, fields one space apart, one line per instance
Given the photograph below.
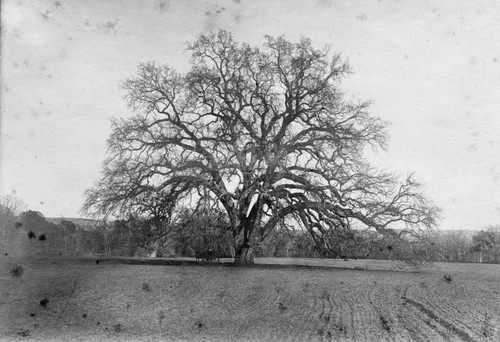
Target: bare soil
x=277 y=300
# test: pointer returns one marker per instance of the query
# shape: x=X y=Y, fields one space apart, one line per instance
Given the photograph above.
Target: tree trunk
x=244 y=255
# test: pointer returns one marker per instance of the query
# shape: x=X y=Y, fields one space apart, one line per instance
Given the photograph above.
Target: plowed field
x=330 y=301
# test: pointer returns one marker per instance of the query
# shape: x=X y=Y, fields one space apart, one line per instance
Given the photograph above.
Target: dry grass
x=366 y=301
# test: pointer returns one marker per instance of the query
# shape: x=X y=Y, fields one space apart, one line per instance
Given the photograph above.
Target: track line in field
x=351 y=299
x=442 y=322
x=449 y=309
x=408 y=318
x=424 y=318
x=325 y=311
x=448 y=312
x=440 y=308
x=354 y=326
x=420 y=323
x=340 y=325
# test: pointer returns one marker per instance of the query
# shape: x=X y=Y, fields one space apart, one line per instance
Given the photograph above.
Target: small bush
x=42 y=237
x=282 y=307
x=16 y=271
x=146 y=287
x=448 y=278
x=31 y=235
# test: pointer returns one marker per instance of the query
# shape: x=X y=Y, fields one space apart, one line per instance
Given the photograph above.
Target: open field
x=335 y=300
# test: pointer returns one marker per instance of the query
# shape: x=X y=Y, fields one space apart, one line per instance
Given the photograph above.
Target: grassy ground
x=335 y=300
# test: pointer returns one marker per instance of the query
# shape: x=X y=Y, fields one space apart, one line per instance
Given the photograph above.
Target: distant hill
x=467 y=233
x=464 y=232
x=82 y=222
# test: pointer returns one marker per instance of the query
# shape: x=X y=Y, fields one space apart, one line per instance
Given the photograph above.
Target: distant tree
x=121 y=238
x=68 y=226
x=267 y=135
x=454 y=246
x=150 y=234
x=48 y=232
x=96 y=240
x=282 y=242
x=150 y=215
x=339 y=242
x=414 y=252
x=66 y=239
x=10 y=207
x=34 y=220
x=304 y=246
x=486 y=243
x=200 y=231
x=11 y=204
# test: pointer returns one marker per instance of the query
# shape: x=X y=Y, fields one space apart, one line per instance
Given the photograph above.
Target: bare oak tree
x=10 y=208
x=267 y=135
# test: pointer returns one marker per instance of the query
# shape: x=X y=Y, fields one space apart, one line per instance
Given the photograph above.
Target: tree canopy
x=264 y=134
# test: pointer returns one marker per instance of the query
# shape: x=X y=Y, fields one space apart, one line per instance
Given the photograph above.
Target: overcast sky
x=432 y=69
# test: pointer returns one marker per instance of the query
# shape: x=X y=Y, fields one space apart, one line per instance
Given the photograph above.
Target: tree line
x=31 y=233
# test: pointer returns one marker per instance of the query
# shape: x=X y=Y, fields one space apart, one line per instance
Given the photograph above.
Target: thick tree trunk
x=244 y=255
x=244 y=249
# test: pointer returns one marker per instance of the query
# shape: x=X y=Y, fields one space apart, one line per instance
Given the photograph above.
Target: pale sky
x=431 y=68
